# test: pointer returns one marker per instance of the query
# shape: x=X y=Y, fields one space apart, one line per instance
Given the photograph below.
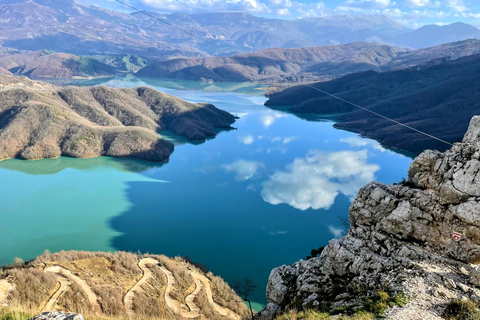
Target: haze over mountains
x=64 y=26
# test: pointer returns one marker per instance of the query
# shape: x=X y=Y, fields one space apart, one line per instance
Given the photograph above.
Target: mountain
x=438 y=99
x=87 y=30
x=79 y=29
x=411 y=252
x=306 y=64
x=120 y=285
x=275 y=63
x=433 y=35
x=39 y=120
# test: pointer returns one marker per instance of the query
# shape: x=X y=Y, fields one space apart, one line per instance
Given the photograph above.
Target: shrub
x=462 y=310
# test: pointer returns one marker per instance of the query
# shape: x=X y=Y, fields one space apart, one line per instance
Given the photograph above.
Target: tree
x=244 y=287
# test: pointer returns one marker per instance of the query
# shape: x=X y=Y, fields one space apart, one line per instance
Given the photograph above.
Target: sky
x=413 y=13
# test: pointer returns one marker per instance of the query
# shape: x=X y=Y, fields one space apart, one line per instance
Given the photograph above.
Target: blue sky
x=413 y=13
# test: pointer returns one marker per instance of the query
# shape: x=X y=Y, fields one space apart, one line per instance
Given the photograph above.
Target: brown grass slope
x=49 y=64
x=39 y=121
x=110 y=276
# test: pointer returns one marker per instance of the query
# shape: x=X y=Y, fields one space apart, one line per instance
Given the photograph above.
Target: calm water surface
x=243 y=203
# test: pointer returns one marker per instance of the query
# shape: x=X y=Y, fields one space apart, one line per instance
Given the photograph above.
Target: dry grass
x=110 y=276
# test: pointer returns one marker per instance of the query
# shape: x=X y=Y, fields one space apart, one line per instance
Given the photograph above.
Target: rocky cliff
x=419 y=239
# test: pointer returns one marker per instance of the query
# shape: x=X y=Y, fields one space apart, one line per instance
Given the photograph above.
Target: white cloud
x=457 y=5
x=336 y=232
x=278 y=7
x=316 y=180
x=367 y=4
x=418 y=3
x=361 y=142
x=249 y=139
x=243 y=169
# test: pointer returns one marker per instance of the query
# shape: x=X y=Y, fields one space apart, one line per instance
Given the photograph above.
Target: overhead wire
x=304 y=84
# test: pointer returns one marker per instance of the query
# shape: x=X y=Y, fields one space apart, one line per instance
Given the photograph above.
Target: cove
x=243 y=203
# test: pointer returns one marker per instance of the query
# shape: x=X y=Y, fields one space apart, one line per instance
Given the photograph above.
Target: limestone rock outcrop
x=420 y=238
x=58 y=316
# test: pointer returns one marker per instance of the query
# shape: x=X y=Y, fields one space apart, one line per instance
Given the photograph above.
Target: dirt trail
x=64 y=284
x=5 y=288
x=147 y=274
x=91 y=296
x=219 y=309
x=170 y=282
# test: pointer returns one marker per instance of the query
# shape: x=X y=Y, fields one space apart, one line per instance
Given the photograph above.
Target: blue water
x=243 y=203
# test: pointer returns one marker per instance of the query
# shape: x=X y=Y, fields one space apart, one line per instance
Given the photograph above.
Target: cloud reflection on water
x=316 y=180
x=243 y=169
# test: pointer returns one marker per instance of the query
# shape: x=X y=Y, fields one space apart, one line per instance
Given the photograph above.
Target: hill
x=44 y=63
x=39 y=120
x=438 y=99
x=116 y=285
x=305 y=64
x=276 y=64
x=412 y=250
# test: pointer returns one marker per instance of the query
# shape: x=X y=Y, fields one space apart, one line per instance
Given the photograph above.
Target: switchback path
x=91 y=296
x=147 y=274
x=64 y=284
x=219 y=309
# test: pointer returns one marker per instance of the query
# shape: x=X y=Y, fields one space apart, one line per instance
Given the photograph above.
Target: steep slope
x=418 y=242
x=38 y=120
x=439 y=100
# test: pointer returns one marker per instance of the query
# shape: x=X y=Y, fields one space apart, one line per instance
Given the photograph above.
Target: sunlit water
x=241 y=204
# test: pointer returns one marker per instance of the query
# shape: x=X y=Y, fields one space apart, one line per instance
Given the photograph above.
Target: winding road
x=91 y=296
x=201 y=282
x=64 y=284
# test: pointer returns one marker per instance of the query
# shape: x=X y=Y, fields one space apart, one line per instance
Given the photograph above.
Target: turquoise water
x=241 y=204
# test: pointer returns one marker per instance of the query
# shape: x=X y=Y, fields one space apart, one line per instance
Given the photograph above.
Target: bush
x=462 y=310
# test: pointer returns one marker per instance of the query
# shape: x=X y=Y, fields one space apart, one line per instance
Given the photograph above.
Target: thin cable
x=319 y=90
x=165 y=22
x=378 y=114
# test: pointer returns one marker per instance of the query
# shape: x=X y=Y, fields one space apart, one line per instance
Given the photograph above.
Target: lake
x=247 y=201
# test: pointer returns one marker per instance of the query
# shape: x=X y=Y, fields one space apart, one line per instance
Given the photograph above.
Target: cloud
x=361 y=142
x=285 y=140
x=418 y=3
x=457 y=5
x=243 y=169
x=246 y=139
x=316 y=180
x=336 y=232
x=276 y=7
x=366 y=4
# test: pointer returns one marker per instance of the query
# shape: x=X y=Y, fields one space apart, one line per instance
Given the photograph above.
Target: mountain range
x=66 y=26
x=306 y=64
